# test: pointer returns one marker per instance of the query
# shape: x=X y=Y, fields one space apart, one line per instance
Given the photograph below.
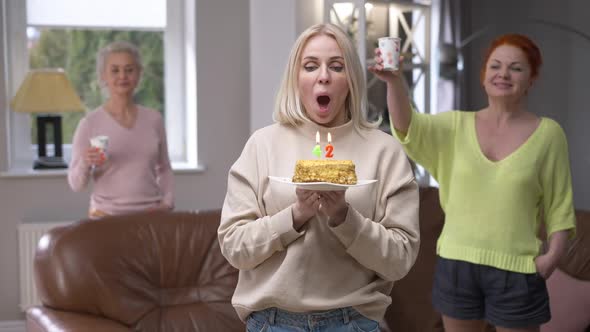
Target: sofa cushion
x=569 y=299
x=38 y=318
x=411 y=308
x=145 y=271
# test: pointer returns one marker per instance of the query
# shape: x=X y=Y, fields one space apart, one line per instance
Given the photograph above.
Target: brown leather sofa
x=411 y=309
x=146 y=272
x=165 y=272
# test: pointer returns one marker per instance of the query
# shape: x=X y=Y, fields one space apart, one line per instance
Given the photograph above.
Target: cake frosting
x=326 y=170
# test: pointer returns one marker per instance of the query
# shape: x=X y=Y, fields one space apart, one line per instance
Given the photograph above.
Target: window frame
x=179 y=80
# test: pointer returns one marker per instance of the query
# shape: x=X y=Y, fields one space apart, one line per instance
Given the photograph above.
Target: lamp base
x=43 y=160
x=49 y=163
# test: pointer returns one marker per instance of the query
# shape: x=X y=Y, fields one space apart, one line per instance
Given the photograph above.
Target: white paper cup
x=101 y=142
x=390 y=49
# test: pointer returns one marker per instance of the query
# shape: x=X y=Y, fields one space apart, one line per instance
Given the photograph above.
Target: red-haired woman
x=497 y=169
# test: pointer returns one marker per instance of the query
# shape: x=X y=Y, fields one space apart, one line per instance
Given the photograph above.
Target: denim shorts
x=506 y=299
x=337 y=320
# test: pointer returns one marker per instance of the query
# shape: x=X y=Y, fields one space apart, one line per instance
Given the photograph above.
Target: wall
x=223 y=99
x=561 y=92
x=274 y=26
x=271 y=37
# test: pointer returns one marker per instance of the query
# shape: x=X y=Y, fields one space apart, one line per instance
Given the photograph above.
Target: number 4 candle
x=317 y=150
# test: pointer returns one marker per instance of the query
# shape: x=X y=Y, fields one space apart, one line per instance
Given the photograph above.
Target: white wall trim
x=12 y=326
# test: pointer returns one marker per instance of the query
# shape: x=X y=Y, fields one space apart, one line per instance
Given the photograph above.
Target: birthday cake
x=333 y=171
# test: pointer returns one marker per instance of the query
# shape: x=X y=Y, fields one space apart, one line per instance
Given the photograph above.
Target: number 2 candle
x=329 y=147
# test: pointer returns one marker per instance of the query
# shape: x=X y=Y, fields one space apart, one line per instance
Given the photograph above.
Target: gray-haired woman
x=133 y=174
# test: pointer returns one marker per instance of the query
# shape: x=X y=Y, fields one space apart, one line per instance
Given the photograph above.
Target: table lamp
x=43 y=92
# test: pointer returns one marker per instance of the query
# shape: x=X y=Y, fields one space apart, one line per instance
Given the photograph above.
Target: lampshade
x=46 y=91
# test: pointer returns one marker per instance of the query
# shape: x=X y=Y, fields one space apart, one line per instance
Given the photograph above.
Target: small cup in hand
x=100 y=143
x=390 y=52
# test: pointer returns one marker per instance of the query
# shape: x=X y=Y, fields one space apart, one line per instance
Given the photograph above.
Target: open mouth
x=323 y=102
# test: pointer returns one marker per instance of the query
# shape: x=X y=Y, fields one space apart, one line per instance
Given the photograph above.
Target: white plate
x=324 y=186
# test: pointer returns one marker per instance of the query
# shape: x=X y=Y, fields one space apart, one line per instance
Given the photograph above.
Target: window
x=67 y=34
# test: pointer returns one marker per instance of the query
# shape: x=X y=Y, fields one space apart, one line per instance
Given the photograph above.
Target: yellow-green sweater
x=492 y=208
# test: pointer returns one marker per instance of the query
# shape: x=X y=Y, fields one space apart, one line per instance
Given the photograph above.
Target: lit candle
x=329 y=147
x=317 y=150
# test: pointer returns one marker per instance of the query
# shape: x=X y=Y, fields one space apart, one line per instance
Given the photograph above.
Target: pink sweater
x=137 y=175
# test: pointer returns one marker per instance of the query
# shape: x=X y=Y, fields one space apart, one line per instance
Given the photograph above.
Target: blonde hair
x=116 y=47
x=288 y=107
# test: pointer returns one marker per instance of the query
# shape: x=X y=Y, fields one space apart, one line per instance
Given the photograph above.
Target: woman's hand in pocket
x=545 y=265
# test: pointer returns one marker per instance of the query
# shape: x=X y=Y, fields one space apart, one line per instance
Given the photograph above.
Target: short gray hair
x=116 y=47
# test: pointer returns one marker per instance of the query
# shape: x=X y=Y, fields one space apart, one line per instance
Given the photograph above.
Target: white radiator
x=28 y=238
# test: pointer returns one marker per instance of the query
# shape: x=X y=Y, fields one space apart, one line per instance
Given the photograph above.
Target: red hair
x=524 y=43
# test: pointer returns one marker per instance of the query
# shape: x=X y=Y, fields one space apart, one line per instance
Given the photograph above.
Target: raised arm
x=398 y=102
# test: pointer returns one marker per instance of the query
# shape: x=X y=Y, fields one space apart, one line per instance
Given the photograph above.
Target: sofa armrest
x=43 y=319
x=576 y=261
x=569 y=299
